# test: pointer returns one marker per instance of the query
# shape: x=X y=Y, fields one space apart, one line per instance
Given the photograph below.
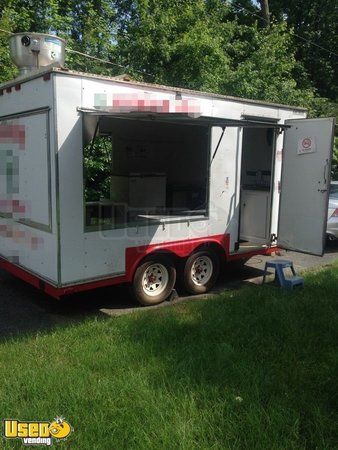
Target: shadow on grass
x=25 y=310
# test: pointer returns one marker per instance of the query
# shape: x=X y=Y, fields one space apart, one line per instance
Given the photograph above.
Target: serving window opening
x=138 y=172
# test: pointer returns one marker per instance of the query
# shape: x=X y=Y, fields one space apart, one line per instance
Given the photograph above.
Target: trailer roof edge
x=39 y=73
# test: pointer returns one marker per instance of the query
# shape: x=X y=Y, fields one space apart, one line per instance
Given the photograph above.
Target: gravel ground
x=25 y=310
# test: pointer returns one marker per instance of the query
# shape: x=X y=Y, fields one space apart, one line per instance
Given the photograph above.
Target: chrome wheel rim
x=155 y=279
x=202 y=270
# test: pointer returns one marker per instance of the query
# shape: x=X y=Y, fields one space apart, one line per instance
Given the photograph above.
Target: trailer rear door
x=305 y=182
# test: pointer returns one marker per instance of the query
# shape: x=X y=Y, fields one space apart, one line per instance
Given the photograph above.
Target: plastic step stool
x=279 y=265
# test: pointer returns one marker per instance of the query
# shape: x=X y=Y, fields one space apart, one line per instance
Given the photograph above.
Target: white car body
x=332 y=221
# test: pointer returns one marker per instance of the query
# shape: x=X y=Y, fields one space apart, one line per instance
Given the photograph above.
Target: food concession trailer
x=105 y=180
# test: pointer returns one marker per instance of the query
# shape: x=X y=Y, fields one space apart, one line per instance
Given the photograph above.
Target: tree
x=200 y=44
x=8 y=20
x=265 y=12
x=315 y=22
x=179 y=42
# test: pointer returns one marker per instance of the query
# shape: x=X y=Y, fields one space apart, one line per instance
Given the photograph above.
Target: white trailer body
x=187 y=169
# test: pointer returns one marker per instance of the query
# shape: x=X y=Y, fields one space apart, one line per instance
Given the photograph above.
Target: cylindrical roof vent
x=31 y=51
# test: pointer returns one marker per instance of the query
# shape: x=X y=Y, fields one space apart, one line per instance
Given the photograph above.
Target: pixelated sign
x=24 y=172
x=12 y=134
x=136 y=102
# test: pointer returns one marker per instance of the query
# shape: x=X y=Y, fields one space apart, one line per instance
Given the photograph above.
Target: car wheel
x=154 y=280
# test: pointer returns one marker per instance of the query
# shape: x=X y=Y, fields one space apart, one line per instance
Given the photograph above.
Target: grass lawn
x=255 y=368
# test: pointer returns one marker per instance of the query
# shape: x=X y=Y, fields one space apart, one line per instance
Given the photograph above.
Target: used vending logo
x=38 y=432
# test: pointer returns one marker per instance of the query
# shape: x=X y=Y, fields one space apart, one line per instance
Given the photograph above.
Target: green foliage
x=265 y=69
x=7 y=20
x=181 y=43
x=200 y=44
x=203 y=45
x=97 y=166
x=315 y=21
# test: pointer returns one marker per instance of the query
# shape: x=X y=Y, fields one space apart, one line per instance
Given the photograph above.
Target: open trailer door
x=305 y=184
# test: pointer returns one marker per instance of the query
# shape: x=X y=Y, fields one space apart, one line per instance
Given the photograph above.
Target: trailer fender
x=177 y=249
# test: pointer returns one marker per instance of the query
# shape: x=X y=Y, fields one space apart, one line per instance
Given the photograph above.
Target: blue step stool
x=279 y=265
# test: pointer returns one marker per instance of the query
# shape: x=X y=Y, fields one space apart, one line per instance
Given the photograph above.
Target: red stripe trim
x=248 y=255
x=29 y=278
x=134 y=255
x=91 y=285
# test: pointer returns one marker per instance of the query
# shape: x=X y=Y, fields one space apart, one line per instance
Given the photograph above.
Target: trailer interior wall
x=258 y=159
x=87 y=255
x=28 y=236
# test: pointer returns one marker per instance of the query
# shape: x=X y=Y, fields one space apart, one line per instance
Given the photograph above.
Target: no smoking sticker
x=307 y=144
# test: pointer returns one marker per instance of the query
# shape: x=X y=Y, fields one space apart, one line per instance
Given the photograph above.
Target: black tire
x=145 y=294
x=190 y=279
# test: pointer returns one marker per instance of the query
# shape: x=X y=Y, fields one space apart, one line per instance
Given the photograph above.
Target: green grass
x=170 y=378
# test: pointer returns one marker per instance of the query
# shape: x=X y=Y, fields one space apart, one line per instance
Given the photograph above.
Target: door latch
x=325 y=179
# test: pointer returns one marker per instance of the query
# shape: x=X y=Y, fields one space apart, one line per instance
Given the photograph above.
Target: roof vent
x=31 y=51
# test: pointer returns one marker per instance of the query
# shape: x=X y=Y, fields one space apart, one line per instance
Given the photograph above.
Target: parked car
x=332 y=221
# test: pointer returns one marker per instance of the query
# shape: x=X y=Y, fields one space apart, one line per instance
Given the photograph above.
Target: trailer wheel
x=154 y=280
x=201 y=271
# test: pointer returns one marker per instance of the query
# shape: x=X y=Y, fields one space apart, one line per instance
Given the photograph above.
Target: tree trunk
x=265 y=12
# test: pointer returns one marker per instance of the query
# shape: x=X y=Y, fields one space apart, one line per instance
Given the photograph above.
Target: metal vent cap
x=31 y=51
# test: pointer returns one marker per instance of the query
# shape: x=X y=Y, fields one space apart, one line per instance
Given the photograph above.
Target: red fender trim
x=182 y=249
